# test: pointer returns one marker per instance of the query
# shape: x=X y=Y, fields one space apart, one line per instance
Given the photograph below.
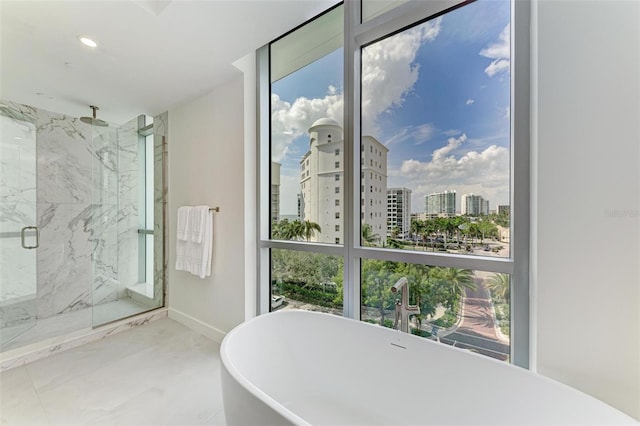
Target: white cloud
x=452 y=144
x=452 y=132
x=403 y=135
x=424 y=132
x=389 y=72
x=288 y=121
x=482 y=172
x=469 y=101
x=500 y=52
x=419 y=134
x=497 y=66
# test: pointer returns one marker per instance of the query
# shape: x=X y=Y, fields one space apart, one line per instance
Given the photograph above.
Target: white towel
x=207 y=243
x=194 y=254
x=183 y=223
x=197 y=221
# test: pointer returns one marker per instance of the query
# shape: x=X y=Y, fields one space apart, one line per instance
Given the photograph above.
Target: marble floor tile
x=19 y=403
x=161 y=373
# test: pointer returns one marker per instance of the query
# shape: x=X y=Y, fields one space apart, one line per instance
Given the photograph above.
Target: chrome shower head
x=93 y=120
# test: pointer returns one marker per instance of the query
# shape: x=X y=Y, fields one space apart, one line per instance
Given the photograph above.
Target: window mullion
x=520 y=131
x=263 y=263
x=351 y=125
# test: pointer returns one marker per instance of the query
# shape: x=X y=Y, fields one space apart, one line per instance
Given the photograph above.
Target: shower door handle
x=23 y=236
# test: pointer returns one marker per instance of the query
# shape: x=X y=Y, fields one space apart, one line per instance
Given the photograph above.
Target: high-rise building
x=398 y=213
x=275 y=192
x=504 y=210
x=474 y=205
x=321 y=197
x=441 y=204
x=373 y=186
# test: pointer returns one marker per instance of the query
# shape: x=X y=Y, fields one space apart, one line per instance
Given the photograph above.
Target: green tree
x=417 y=230
x=456 y=280
x=391 y=243
x=377 y=278
x=368 y=237
x=486 y=229
x=296 y=230
x=308 y=229
x=499 y=285
x=394 y=232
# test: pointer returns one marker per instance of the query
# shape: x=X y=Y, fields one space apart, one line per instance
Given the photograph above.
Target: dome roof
x=325 y=122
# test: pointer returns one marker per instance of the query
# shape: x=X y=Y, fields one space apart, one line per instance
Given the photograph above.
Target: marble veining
x=17 y=210
x=17 y=173
x=64 y=159
x=64 y=258
x=80 y=185
x=160 y=265
x=18 y=111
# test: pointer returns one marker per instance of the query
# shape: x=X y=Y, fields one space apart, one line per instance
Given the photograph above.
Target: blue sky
x=436 y=95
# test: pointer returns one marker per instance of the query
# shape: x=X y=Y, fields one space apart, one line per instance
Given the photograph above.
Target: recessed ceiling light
x=88 y=42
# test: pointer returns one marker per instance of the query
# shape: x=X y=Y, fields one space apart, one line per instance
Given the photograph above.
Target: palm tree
x=459 y=280
x=281 y=230
x=296 y=230
x=391 y=243
x=417 y=229
x=499 y=285
x=368 y=237
x=308 y=228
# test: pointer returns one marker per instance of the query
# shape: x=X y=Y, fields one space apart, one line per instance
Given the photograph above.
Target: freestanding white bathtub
x=308 y=368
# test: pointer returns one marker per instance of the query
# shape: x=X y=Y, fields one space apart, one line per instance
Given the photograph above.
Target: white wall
x=205 y=167
x=586 y=239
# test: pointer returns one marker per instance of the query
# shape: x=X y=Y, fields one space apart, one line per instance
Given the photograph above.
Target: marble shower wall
x=17 y=209
x=71 y=222
x=160 y=244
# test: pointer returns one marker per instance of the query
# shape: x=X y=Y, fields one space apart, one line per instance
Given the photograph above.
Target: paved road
x=477 y=330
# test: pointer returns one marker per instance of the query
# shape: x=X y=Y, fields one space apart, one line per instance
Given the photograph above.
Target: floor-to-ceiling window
x=393 y=141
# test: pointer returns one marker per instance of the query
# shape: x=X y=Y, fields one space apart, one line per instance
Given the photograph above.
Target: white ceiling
x=151 y=54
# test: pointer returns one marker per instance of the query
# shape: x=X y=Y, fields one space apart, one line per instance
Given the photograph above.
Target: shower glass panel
x=127 y=228
x=104 y=236
x=18 y=225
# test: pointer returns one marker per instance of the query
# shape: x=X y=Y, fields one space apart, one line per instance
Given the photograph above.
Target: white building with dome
x=321 y=197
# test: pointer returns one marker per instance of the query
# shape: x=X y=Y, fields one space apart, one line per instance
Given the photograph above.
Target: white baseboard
x=197 y=325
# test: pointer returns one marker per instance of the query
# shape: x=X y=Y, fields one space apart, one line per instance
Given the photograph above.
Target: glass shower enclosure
x=19 y=236
x=81 y=222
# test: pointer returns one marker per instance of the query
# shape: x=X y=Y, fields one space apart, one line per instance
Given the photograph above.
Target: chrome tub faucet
x=403 y=309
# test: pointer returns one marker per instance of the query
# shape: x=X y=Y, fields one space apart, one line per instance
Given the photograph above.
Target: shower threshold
x=81 y=319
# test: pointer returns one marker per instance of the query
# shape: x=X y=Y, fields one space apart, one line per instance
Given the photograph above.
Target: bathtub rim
x=274 y=404
x=233 y=371
x=227 y=364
